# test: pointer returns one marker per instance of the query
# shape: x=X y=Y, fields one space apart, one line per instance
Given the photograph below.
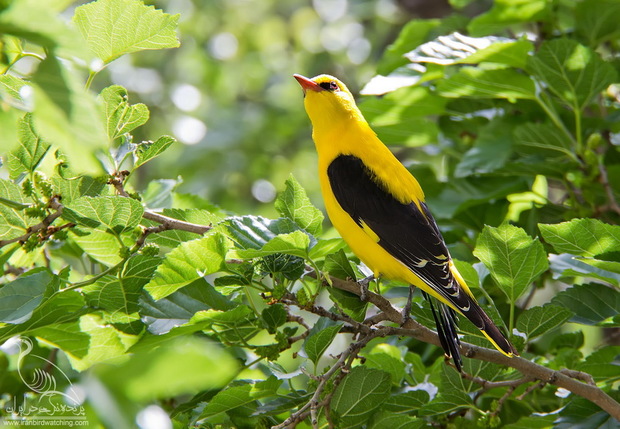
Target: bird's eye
x=330 y=86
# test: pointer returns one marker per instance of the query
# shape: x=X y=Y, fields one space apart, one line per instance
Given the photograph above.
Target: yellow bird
x=378 y=208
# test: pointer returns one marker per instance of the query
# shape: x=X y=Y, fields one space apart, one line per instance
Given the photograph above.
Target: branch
x=44 y=224
x=569 y=380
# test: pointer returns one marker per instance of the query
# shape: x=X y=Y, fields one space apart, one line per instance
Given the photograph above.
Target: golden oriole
x=378 y=208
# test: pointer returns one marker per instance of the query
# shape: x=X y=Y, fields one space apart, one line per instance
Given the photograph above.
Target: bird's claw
x=407 y=307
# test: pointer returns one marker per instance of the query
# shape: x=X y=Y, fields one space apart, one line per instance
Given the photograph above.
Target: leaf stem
x=91 y=77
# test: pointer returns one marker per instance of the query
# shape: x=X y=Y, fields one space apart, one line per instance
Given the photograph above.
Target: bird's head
x=327 y=100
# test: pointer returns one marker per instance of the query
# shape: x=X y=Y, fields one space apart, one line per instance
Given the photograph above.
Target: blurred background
x=227 y=94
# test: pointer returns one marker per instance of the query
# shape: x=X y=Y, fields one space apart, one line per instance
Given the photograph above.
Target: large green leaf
x=543 y=139
x=572 y=71
x=514 y=259
x=99 y=245
x=149 y=150
x=116 y=27
x=536 y=321
x=294 y=204
x=480 y=83
x=582 y=237
x=30 y=152
x=395 y=421
x=358 y=396
x=186 y=263
x=112 y=214
x=592 y=304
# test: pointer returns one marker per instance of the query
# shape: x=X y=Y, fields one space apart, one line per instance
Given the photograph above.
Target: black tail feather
x=446 y=322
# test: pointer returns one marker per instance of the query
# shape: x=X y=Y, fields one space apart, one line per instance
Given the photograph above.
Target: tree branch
x=44 y=224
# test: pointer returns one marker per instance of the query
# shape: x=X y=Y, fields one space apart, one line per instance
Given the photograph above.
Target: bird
x=379 y=209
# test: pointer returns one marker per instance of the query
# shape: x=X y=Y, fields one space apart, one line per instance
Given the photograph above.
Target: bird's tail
x=446 y=322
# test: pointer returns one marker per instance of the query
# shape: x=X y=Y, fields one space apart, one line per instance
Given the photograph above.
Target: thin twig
x=49 y=219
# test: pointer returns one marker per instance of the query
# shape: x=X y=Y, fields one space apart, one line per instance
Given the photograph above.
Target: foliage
x=155 y=304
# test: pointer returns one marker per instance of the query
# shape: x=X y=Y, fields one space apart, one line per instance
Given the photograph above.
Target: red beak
x=307 y=84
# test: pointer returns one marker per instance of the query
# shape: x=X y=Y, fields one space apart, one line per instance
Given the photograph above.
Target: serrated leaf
x=293 y=203
x=480 y=83
x=572 y=71
x=179 y=307
x=321 y=336
x=274 y=316
x=100 y=246
x=456 y=48
x=147 y=151
x=592 y=304
x=112 y=214
x=19 y=298
x=240 y=394
x=569 y=266
x=120 y=116
x=535 y=321
x=514 y=259
x=358 y=396
x=408 y=402
x=116 y=27
x=10 y=87
x=186 y=263
x=253 y=232
x=385 y=362
x=30 y=152
x=582 y=237
x=81 y=186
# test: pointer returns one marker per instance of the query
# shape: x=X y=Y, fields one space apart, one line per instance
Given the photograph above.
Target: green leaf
x=338 y=265
x=113 y=28
x=31 y=150
x=274 y=316
x=147 y=151
x=478 y=83
x=179 y=307
x=291 y=267
x=187 y=263
x=121 y=117
x=10 y=87
x=253 y=232
x=321 y=336
x=514 y=259
x=13 y=222
x=572 y=71
x=505 y=13
x=595 y=20
x=592 y=304
x=294 y=204
x=112 y=214
x=99 y=245
x=543 y=139
x=456 y=48
x=179 y=367
x=19 y=298
x=569 y=266
x=358 y=396
x=536 y=321
x=582 y=237
x=295 y=243
x=81 y=186
x=238 y=395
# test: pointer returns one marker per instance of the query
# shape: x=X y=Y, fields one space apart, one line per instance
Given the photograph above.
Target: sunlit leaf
x=121 y=117
x=591 y=303
x=321 y=336
x=116 y=27
x=582 y=237
x=113 y=214
x=479 y=83
x=30 y=152
x=149 y=150
x=294 y=204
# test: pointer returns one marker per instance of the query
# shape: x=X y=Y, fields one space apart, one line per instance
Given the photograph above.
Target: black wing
x=409 y=233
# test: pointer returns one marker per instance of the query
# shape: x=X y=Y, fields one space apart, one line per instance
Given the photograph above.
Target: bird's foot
x=364 y=286
x=407 y=307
